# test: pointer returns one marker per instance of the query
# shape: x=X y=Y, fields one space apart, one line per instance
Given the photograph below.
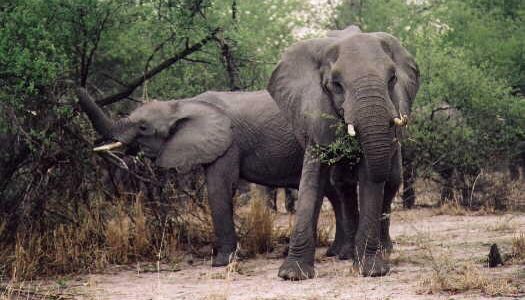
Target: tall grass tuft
x=256 y=227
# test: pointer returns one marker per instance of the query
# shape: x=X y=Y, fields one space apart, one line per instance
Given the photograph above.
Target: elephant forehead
x=151 y=111
x=361 y=48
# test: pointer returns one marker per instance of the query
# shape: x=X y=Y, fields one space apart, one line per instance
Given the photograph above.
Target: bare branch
x=230 y=63
x=128 y=90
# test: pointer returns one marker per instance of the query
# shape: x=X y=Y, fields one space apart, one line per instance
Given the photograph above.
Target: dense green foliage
x=469 y=112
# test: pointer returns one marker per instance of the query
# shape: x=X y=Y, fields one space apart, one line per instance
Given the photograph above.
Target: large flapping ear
x=296 y=87
x=407 y=71
x=200 y=133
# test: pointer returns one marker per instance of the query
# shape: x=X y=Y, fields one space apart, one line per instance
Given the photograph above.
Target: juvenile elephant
x=234 y=135
x=368 y=81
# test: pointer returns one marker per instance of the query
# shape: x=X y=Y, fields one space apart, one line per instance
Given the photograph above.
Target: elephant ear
x=296 y=87
x=200 y=133
x=407 y=71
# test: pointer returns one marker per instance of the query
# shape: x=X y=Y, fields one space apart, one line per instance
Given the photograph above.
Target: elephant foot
x=223 y=258
x=373 y=266
x=387 y=246
x=346 y=252
x=296 y=270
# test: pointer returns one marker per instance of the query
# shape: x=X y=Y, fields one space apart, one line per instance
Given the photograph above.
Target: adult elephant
x=368 y=81
x=233 y=135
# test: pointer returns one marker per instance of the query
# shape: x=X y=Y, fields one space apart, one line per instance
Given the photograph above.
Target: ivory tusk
x=351 y=130
x=402 y=121
x=398 y=121
x=108 y=147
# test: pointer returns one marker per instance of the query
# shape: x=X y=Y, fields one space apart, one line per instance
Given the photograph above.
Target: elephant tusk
x=351 y=130
x=108 y=147
x=402 y=121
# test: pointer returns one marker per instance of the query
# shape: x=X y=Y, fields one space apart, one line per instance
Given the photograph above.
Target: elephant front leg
x=221 y=181
x=368 y=256
x=386 y=242
x=391 y=188
x=299 y=264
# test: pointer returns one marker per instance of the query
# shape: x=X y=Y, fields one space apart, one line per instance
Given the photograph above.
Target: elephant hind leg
x=344 y=202
x=221 y=180
x=289 y=200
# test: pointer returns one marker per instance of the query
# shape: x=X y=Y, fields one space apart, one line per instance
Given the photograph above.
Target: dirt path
x=429 y=249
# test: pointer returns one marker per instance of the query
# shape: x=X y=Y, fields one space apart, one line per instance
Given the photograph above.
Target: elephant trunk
x=376 y=134
x=102 y=124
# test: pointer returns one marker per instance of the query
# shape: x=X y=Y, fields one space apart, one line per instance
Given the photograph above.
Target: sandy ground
x=425 y=243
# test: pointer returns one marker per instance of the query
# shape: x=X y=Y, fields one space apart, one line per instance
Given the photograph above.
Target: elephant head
x=367 y=80
x=177 y=134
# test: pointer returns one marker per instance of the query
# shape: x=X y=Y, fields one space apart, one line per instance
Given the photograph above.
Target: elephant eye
x=143 y=127
x=337 y=88
x=392 y=81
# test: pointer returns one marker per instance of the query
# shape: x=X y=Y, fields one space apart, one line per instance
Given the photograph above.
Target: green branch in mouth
x=345 y=149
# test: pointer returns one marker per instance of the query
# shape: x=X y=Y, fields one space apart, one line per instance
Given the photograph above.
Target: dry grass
x=503 y=224
x=125 y=231
x=256 y=230
x=453 y=277
x=518 y=248
x=452 y=208
x=32 y=291
x=118 y=236
x=516 y=195
x=105 y=233
x=326 y=227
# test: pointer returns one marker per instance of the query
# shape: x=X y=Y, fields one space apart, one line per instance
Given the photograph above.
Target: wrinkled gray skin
x=366 y=80
x=234 y=135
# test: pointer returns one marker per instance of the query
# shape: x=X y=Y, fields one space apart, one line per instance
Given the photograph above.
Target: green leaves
x=345 y=149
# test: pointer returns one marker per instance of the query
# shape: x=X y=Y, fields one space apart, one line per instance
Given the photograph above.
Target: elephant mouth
x=149 y=152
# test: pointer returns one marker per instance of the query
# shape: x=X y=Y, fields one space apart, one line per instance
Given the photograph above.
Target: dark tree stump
x=494 y=257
